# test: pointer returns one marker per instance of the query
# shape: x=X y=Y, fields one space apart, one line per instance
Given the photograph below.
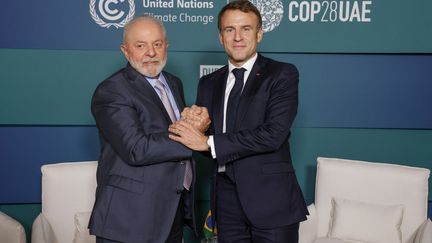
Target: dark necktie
x=187 y=180
x=234 y=98
x=231 y=112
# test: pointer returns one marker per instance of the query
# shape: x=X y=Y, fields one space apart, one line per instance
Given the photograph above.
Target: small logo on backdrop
x=271 y=13
x=207 y=69
x=111 y=13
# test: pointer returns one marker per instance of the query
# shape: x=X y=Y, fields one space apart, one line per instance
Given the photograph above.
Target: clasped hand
x=190 y=129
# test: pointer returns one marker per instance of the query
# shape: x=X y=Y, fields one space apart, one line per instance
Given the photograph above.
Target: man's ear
x=220 y=38
x=260 y=35
x=124 y=49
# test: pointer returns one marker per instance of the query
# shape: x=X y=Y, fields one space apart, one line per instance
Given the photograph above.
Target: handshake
x=190 y=129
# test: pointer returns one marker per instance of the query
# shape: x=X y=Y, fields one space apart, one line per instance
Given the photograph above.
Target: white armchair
x=68 y=194
x=357 y=201
x=11 y=231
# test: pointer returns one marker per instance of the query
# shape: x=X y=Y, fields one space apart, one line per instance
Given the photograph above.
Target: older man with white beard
x=145 y=189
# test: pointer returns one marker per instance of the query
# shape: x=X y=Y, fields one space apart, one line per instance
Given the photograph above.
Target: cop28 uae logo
x=111 y=16
x=271 y=13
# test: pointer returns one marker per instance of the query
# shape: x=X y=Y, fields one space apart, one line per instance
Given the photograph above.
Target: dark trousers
x=234 y=226
x=176 y=233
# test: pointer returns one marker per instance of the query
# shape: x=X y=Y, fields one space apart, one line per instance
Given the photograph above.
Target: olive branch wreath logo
x=104 y=24
x=271 y=13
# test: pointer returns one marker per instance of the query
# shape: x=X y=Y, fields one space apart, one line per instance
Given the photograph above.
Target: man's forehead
x=236 y=15
x=145 y=34
x=137 y=40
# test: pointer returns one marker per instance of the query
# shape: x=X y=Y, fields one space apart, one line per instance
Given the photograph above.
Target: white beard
x=144 y=70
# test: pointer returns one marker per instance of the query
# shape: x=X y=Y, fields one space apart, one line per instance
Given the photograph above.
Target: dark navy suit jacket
x=140 y=170
x=259 y=148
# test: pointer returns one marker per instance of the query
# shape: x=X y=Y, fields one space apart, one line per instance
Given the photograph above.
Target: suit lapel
x=218 y=97
x=176 y=92
x=137 y=80
x=254 y=80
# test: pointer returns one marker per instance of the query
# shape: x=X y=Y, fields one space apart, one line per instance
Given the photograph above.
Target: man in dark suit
x=144 y=180
x=252 y=103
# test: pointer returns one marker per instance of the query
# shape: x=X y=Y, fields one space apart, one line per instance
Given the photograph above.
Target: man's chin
x=149 y=73
x=238 y=57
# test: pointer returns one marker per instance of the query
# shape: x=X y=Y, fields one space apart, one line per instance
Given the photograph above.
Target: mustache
x=152 y=60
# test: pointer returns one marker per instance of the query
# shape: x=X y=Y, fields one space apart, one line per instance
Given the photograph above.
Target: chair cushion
x=354 y=221
x=376 y=183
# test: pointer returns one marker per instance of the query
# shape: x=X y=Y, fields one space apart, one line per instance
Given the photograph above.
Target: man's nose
x=237 y=35
x=151 y=52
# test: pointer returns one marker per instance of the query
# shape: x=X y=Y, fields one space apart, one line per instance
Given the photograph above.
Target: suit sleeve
x=117 y=120
x=200 y=102
x=269 y=136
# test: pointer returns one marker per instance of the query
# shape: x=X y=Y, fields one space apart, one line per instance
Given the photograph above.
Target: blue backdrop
x=364 y=82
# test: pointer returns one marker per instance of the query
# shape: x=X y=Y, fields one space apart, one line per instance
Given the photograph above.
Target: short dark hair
x=243 y=5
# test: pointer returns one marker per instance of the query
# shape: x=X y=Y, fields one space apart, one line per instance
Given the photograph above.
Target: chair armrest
x=309 y=228
x=424 y=233
x=11 y=231
x=42 y=231
x=82 y=234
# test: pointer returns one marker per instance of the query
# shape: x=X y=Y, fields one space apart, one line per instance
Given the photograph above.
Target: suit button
x=179 y=191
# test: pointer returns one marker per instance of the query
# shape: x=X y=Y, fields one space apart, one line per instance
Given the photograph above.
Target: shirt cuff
x=210 y=143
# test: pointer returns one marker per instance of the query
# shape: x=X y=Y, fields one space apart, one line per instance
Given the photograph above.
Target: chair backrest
x=67 y=188
x=374 y=183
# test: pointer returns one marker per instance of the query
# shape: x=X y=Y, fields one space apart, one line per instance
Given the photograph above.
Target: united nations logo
x=111 y=16
x=271 y=13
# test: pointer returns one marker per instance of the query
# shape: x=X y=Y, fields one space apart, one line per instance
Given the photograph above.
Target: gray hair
x=146 y=17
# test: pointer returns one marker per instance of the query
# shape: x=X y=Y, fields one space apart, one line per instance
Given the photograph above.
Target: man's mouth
x=239 y=46
x=151 y=62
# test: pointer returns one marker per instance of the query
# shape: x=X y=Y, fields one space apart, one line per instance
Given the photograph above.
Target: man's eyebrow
x=242 y=26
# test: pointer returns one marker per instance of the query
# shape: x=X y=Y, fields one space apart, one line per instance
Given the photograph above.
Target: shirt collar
x=152 y=80
x=247 y=65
